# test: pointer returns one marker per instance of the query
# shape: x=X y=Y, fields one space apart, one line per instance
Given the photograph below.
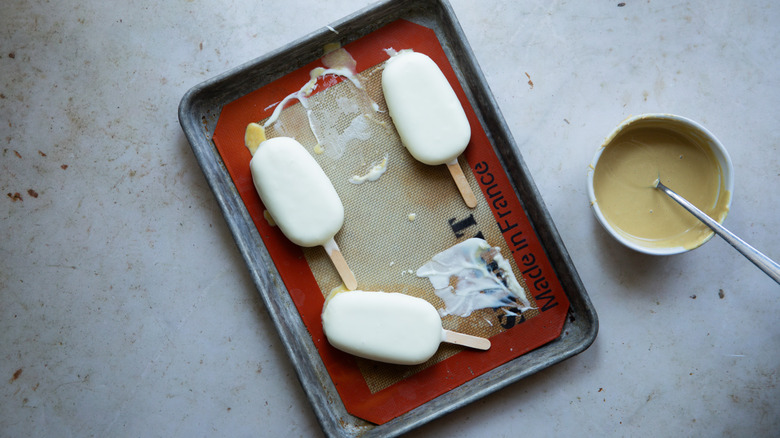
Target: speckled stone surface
x=126 y=309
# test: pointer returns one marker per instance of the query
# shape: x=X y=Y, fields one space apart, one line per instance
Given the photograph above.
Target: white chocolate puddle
x=378 y=168
x=482 y=279
x=338 y=62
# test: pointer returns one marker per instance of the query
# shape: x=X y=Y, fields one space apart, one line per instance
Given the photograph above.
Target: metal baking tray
x=199 y=111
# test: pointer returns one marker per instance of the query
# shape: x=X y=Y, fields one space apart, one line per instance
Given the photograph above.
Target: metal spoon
x=770 y=267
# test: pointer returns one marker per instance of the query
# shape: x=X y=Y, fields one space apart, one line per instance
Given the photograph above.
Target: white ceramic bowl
x=694 y=133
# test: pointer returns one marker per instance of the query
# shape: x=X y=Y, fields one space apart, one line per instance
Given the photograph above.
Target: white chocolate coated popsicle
x=424 y=108
x=388 y=327
x=300 y=198
x=297 y=193
x=427 y=114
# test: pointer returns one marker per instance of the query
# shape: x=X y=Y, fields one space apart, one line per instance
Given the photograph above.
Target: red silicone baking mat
x=356 y=380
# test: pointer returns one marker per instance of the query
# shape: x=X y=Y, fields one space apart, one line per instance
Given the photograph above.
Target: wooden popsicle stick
x=463 y=185
x=465 y=340
x=346 y=274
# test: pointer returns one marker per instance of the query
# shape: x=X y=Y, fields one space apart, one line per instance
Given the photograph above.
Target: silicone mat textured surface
x=395 y=224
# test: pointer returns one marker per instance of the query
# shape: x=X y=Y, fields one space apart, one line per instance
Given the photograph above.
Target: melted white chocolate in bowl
x=684 y=159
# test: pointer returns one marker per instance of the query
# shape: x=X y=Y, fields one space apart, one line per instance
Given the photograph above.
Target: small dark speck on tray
x=621 y=4
x=721 y=294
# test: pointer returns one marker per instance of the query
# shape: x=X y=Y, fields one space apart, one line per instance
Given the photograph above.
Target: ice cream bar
x=300 y=197
x=424 y=108
x=388 y=327
x=296 y=192
x=427 y=114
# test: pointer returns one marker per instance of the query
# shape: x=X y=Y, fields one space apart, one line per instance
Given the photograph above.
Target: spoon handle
x=770 y=267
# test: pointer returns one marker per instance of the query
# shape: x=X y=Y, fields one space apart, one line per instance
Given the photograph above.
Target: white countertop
x=125 y=306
